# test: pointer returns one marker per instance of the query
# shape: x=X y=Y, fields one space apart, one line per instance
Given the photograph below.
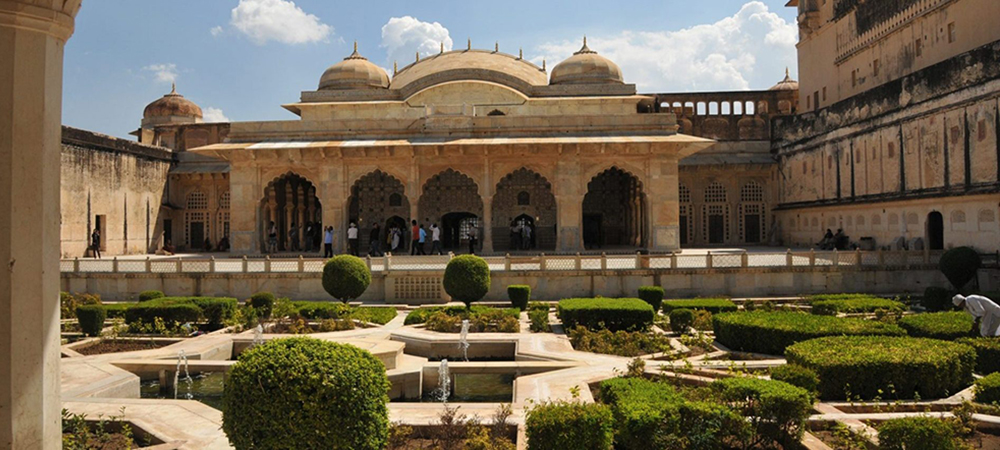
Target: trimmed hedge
x=467 y=279
x=215 y=310
x=374 y=314
x=776 y=410
x=91 y=319
x=918 y=433
x=263 y=303
x=947 y=326
x=987 y=353
x=117 y=310
x=652 y=295
x=346 y=277
x=832 y=307
x=420 y=315
x=322 y=310
x=885 y=366
x=146 y=296
x=937 y=299
x=306 y=393
x=519 y=295
x=796 y=375
x=987 y=389
x=771 y=332
x=681 y=320
x=566 y=425
x=629 y=314
x=639 y=407
x=712 y=305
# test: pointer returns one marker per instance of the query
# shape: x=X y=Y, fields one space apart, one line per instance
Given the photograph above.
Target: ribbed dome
x=586 y=67
x=354 y=72
x=788 y=84
x=172 y=104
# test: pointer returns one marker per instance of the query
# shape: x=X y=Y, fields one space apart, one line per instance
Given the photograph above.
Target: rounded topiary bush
x=885 y=366
x=987 y=389
x=91 y=319
x=519 y=295
x=467 y=279
x=146 y=296
x=652 y=295
x=940 y=325
x=960 y=265
x=681 y=320
x=796 y=375
x=263 y=303
x=346 y=277
x=306 y=393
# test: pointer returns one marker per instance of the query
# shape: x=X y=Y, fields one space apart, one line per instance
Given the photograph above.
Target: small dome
x=172 y=104
x=788 y=84
x=586 y=67
x=354 y=72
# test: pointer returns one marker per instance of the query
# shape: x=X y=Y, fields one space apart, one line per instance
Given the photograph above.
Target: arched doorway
x=935 y=231
x=518 y=239
x=524 y=196
x=290 y=203
x=614 y=210
x=451 y=200
x=375 y=198
x=398 y=225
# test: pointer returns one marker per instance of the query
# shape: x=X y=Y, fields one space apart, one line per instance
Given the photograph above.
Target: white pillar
x=33 y=35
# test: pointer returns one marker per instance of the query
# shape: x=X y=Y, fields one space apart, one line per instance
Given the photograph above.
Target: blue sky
x=241 y=59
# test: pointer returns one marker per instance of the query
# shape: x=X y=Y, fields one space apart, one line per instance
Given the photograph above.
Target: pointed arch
x=451 y=199
x=375 y=198
x=290 y=203
x=614 y=210
x=524 y=197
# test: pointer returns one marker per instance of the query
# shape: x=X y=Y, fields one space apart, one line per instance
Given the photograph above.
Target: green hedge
x=263 y=303
x=652 y=295
x=681 y=320
x=215 y=310
x=712 y=305
x=346 y=277
x=306 y=393
x=566 y=425
x=621 y=343
x=639 y=407
x=539 y=319
x=322 y=310
x=796 y=375
x=117 y=310
x=771 y=332
x=615 y=314
x=374 y=314
x=519 y=295
x=91 y=319
x=776 y=410
x=420 y=315
x=937 y=299
x=467 y=278
x=987 y=389
x=987 y=353
x=146 y=296
x=918 y=433
x=832 y=307
x=885 y=366
x=940 y=325
x=960 y=265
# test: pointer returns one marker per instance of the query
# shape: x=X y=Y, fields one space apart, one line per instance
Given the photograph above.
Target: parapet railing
x=838 y=260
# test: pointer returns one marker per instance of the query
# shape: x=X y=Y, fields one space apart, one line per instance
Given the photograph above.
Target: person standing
x=374 y=243
x=421 y=241
x=95 y=242
x=435 y=239
x=309 y=237
x=352 y=239
x=293 y=238
x=272 y=238
x=328 y=242
x=526 y=236
x=394 y=239
x=472 y=240
x=414 y=237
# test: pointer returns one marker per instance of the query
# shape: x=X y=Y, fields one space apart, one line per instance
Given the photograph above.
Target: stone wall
x=117 y=181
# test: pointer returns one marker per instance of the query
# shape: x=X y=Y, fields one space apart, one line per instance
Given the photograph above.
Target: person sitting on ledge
x=167 y=250
x=827 y=243
x=841 y=241
x=223 y=244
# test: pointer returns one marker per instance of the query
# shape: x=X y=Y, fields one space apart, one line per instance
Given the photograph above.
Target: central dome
x=477 y=65
x=354 y=72
x=587 y=67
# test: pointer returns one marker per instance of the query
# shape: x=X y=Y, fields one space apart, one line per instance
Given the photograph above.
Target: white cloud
x=164 y=73
x=278 y=20
x=748 y=50
x=403 y=37
x=211 y=114
x=216 y=31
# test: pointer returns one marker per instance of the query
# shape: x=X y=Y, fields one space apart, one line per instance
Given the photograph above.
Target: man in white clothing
x=352 y=239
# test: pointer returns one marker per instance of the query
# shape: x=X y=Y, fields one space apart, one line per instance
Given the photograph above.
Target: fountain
x=444 y=382
x=258 y=336
x=183 y=359
x=463 y=340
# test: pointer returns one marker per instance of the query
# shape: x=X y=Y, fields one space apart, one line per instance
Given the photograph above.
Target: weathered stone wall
x=120 y=181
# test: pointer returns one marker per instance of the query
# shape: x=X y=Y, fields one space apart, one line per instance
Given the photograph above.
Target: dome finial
x=442 y=46
x=418 y=56
x=496 y=47
x=395 y=68
x=787 y=74
x=173 y=88
x=355 y=54
x=543 y=65
x=584 y=49
x=355 y=46
x=520 y=53
x=469 y=44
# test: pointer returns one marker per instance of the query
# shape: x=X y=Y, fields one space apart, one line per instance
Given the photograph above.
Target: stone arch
x=524 y=184
x=374 y=198
x=715 y=214
x=614 y=210
x=289 y=202
x=451 y=199
x=197 y=219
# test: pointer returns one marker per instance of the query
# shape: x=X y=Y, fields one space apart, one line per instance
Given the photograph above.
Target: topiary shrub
x=629 y=314
x=987 y=353
x=960 y=265
x=146 y=296
x=681 y=320
x=796 y=375
x=918 y=433
x=776 y=410
x=570 y=425
x=306 y=393
x=263 y=303
x=147 y=312
x=215 y=310
x=467 y=279
x=937 y=299
x=947 y=326
x=652 y=295
x=346 y=277
x=322 y=310
x=621 y=343
x=69 y=302
x=712 y=305
x=987 y=389
x=539 y=319
x=519 y=295
x=116 y=310
x=832 y=307
x=771 y=332
x=887 y=367
x=91 y=319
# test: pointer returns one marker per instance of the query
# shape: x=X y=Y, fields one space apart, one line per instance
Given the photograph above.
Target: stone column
x=487 y=224
x=664 y=207
x=333 y=196
x=569 y=195
x=33 y=35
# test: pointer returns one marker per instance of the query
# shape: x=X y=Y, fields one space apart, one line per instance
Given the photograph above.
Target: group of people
x=520 y=236
x=831 y=241
x=393 y=239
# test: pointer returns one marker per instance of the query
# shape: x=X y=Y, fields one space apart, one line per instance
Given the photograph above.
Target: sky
x=241 y=59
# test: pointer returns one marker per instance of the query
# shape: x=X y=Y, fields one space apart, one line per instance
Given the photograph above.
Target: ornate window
x=196 y=215
x=716 y=193
x=197 y=200
x=523 y=198
x=395 y=200
x=752 y=206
